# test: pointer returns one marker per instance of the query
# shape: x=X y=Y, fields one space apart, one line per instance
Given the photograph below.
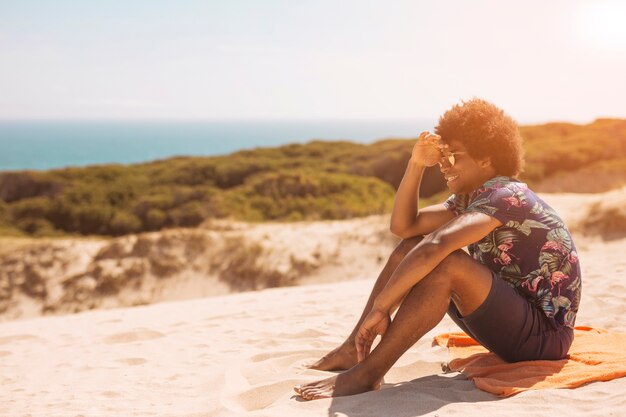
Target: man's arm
x=455 y=234
x=406 y=219
x=426 y=221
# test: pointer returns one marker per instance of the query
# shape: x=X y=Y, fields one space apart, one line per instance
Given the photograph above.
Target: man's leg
x=344 y=356
x=458 y=278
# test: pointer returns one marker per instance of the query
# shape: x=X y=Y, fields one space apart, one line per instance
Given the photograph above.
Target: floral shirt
x=532 y=251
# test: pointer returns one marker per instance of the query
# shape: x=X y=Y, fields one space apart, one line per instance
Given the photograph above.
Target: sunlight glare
x=603 y=24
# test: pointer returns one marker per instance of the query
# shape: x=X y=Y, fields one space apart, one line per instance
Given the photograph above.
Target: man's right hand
x=427 y=149
x=374 y=324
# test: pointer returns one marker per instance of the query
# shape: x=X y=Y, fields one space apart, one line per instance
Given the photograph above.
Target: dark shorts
x=510 y=326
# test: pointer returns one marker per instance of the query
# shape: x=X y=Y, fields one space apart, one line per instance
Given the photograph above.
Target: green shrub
x=184 y=171
x=36 y=227
x=307 y=194
x=162 y=201
x=87 y=219
x=155 y=219
x=15 y=186
x=93 y=219
x=4 y=212
x=36 y=207
x=124 y=223
x=188 y=215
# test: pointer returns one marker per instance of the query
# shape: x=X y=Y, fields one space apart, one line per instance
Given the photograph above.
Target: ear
x=485 y=163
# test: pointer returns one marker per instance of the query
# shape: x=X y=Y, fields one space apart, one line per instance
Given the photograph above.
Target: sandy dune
x=60 y=276
x=240 y=354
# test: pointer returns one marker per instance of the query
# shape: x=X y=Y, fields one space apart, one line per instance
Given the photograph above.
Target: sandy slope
x=60 y=276
x=240 y=354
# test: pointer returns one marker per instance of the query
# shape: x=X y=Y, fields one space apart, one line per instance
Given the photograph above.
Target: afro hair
x=485 y=131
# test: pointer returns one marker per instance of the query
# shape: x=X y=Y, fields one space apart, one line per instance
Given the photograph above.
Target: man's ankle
x=349 y=344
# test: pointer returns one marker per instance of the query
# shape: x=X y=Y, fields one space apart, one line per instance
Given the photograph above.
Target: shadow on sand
x=414 y=398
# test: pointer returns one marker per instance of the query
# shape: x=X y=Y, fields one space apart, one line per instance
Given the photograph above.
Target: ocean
x=42 y=145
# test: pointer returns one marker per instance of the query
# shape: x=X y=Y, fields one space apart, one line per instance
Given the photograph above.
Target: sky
x=558 y=60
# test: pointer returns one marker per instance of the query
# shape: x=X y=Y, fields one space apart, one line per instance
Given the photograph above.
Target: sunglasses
x=450 y=157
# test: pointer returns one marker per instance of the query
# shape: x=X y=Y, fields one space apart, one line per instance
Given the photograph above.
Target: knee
x=453 y=261
x=452 y=268
x=404 y=247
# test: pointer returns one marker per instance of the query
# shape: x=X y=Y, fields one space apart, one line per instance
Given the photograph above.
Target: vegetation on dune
x=317 y=180
x=565 y=148
x=305 y=194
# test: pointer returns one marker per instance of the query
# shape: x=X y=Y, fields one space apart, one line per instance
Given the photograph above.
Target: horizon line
x=282 y=120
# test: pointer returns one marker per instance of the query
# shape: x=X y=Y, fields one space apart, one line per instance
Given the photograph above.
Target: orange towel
x=595 y=355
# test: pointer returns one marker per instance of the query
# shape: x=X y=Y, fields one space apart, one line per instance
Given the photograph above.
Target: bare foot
x=348 y=383
x=341 y=358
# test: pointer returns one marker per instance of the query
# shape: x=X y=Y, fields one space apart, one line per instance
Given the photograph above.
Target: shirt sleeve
x=501 y=203
x=456 y=203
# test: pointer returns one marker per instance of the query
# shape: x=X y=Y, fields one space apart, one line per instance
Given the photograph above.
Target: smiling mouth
x=451 y=178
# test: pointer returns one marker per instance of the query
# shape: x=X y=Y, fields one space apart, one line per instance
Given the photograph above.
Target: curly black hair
x=486 y=131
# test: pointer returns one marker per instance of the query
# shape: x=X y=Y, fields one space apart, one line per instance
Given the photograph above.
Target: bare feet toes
x=316 y=390
x=336 y=386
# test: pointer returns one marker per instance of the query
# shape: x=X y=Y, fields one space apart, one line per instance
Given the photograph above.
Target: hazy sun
x=602 y=24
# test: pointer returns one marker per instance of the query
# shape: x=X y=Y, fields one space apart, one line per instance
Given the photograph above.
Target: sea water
x=42 y=145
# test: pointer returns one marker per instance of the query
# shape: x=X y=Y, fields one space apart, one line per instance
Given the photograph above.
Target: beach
x=197 y=198
x=241 y=353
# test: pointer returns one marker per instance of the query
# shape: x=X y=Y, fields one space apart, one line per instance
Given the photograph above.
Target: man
x=518 y=290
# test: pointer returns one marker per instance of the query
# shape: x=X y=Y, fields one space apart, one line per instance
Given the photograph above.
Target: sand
x=240 y=354
x=69 y=275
